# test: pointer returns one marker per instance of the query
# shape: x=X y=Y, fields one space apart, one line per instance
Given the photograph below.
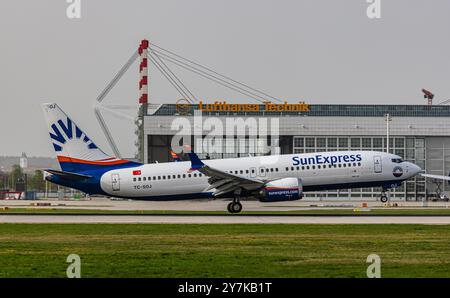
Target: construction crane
x=160 y=57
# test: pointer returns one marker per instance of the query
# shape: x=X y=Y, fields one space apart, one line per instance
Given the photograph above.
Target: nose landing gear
x=384 y=198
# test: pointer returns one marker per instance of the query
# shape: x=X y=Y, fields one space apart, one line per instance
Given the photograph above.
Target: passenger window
x=189 y=175
x=242 y=172
x=168 y=177
x=159 y=177
x=134 y=179
x=184 y=175
x=179 y=176
x=246 y=171
x=287 y=169
x=144 y=178
x=277 y=169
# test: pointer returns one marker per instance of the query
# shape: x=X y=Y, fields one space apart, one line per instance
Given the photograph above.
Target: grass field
x=117 y=250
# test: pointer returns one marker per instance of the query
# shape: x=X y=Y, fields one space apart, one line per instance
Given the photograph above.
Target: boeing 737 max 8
x=270 y=178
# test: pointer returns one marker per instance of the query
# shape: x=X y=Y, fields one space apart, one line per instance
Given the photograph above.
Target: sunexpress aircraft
x=86 y=167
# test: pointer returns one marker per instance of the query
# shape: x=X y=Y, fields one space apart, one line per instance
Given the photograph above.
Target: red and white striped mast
x=143 y=72
x=143 y=89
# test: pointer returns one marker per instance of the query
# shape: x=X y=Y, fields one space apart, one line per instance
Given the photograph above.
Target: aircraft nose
x=414 y=169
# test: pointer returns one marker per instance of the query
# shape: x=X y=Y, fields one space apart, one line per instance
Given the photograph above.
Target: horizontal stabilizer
x=68 y=175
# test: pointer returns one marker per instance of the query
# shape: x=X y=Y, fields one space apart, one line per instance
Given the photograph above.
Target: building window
x=366 y=142
x=321 y=142
x=355 y=142
x=298 y=142
x=310 y=142
x=332 y=142
x=343 y=142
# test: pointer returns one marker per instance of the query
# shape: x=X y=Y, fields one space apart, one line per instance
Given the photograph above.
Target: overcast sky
x=316 y=50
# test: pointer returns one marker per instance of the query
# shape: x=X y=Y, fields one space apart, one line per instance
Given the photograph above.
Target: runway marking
x=225 y=219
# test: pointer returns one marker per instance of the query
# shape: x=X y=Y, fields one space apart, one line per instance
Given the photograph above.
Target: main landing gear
x=235 y=206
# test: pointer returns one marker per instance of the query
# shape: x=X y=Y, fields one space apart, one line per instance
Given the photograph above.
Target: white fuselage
x=318 y=171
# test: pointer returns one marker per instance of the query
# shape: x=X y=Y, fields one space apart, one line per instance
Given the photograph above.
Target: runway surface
x=225 y=219
x=210 y=205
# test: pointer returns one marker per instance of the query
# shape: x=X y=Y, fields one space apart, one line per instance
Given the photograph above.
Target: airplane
x=271 y=178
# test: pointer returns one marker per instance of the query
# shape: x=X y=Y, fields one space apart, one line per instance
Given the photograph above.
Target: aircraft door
x=377 y=165
x=253 y=173
x=115 y=182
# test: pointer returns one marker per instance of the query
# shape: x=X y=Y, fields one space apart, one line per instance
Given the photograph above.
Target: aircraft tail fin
x=75 y=151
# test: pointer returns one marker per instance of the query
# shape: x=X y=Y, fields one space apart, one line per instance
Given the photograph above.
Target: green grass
x=319 y=211
x=118 y=250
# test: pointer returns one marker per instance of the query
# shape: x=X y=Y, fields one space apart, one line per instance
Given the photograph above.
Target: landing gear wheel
x=384 y=199
x=229 y=207
x=235 y=207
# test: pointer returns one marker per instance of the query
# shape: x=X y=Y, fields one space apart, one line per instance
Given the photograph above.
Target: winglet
x=196 y=163
x=175 y=157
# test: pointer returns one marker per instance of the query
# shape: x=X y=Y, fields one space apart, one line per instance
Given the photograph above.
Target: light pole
x=387 y=118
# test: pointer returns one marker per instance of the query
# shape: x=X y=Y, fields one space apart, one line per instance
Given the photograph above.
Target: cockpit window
x=397 y=160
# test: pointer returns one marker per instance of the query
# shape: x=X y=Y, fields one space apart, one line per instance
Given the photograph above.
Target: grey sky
x=318 y=51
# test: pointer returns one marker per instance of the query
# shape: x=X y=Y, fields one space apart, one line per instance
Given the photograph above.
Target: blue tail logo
x=64 y=131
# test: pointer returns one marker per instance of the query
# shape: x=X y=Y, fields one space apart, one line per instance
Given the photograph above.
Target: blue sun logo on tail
x=64 y=131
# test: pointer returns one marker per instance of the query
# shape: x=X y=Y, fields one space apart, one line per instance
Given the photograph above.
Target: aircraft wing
x=436 y=177
x=222 y=181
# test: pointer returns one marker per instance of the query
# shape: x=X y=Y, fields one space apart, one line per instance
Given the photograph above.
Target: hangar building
x=418 y=133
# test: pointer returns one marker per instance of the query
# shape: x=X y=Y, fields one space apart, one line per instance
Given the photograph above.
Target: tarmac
x=216 y=205
x=102 y=203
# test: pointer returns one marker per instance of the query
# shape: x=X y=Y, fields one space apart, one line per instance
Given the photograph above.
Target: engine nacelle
x=286 y=189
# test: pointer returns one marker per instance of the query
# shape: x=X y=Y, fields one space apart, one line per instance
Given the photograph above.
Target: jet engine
x=286 y=189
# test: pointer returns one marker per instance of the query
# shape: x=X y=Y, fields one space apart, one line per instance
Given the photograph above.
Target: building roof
x=321 y=110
